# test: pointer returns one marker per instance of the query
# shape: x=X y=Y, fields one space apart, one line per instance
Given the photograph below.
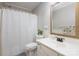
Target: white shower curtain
x=18 y=29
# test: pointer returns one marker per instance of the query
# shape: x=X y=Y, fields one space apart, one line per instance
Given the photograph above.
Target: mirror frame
x=76 y=22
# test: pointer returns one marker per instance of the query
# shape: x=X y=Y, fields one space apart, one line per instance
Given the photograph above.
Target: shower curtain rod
x=4 y=4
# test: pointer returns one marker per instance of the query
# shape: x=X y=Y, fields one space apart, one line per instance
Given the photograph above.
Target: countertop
x=69 y=47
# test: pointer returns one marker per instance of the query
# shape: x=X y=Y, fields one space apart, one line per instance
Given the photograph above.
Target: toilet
x=30 y=49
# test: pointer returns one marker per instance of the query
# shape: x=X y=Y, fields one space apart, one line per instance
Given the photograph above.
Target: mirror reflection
x=63 y=18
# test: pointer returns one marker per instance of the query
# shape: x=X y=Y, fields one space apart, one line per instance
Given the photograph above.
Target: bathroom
x=39 y=29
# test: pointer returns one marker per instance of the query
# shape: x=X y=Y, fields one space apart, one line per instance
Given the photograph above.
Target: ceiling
x=29 y=6
x=62 y=4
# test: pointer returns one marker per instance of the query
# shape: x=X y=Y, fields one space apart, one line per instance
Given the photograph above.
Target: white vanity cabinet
x=42 y=50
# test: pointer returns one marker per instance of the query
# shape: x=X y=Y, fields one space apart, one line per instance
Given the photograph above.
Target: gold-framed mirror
x=64 y=19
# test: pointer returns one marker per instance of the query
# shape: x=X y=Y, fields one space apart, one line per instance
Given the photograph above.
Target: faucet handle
x=60 y=39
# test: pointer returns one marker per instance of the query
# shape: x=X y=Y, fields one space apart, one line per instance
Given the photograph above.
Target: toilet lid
x=31 y=46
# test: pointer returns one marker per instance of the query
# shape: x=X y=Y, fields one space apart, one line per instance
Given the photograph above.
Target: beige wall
x=43 y=13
